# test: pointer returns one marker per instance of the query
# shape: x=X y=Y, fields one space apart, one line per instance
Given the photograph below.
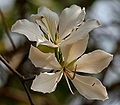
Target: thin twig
x=22 y=78
x=6 y=29
x=14 y=71
x=10 y=68
x=27 y=92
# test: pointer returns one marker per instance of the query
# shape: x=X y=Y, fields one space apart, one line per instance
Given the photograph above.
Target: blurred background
x=106 y=38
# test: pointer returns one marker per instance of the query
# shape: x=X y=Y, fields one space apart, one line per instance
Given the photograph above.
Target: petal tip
x=97 y=22
x=106 y=98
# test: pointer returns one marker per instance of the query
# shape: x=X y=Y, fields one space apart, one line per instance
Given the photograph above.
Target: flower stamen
x=69 y=85
x=73 y=74
x=56 y=32
x=68 y=74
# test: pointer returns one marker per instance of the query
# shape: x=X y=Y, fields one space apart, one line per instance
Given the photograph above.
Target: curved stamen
x=75 y=71
x=56 y=32
x=68 y=74
x=59 y=77
x=69 y=85
x=73 y=74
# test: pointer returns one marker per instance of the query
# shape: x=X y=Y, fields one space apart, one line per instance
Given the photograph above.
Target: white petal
x=29 y=29
x=49 y=20
x=48 y=43
x=94 y=62
x=90 y=87
x=69 y=19
x=37 y=18
x=72 y=51
x=44 y=60
x=46 y=82
x=82 y=31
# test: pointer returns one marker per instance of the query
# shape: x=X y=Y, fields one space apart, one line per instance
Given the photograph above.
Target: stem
x=22 y=78
x=6 y=29
x=10 y=68
x=27 y=92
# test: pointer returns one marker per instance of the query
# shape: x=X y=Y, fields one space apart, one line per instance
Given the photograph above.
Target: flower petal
x=46 y=82
x=47 y=22
x=90 y=87
x=29 y=29
x=47 y=43
x=82 y=31
x=44 y=60
x=69 y=19
x=94 y=62
x=72 y=51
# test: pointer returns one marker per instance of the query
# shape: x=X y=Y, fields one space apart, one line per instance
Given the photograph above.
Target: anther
x=74 y=94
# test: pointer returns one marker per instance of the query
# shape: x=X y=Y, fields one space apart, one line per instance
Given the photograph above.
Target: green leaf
x=46 y=49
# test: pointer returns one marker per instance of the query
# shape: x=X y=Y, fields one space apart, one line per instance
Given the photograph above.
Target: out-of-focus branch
x=21 y=8
x=27 y=92
x=10 y=68
x=6 y=29
x=22 y=78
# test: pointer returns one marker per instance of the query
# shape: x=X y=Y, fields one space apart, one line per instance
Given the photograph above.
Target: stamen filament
x=56 y=31
x=73 y=74
x=69 y=85
x=58 y=79
x=68 y=74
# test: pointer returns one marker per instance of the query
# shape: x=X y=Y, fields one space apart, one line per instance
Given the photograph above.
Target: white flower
x=71 y=38
x=88 y=86
x=44 y=28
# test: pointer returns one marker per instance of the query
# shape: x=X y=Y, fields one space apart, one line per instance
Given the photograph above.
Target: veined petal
x=69 y=19
x=44 y=60
x=37 y=18
x=72 y=51
x=46 y=19
x=46 y=82
x=29 y=29
x=94 y=62
x=82 y=31
x=90 y=87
